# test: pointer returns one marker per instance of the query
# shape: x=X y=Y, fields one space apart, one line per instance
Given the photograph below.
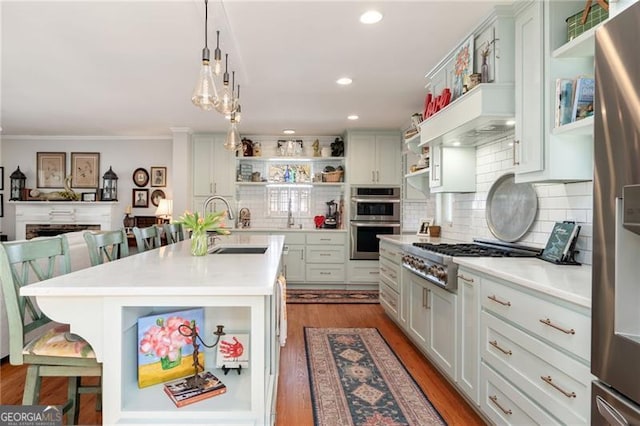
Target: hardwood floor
x=294 y=400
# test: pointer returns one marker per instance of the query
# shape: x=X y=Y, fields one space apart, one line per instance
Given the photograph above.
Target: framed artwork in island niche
x=51 y=169
x=140 y=197
x=423 y=229
x=140 y=177
x=158 y=176
x=85 y=169
x=233 y=351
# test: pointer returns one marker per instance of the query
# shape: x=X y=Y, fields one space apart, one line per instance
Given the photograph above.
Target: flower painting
x=164 y=353
x=463 y=66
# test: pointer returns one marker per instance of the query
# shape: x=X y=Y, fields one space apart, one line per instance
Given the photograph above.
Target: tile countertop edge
x=570 y=283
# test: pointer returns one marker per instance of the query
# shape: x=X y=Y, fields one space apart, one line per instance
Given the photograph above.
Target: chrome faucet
x=290 y=222
x=217 y=197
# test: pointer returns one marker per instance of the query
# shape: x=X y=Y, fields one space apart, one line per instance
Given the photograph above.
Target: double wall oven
x=373 y=211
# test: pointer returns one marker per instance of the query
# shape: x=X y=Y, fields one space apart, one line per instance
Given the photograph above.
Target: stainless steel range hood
x=482 y=115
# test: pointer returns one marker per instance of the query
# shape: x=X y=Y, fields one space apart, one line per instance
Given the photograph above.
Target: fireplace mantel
x=99 y=213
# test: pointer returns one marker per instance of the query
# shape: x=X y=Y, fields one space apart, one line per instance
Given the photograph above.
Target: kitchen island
x=103 y=303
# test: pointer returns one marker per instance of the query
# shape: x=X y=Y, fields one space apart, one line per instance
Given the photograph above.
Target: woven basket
x=335 y=176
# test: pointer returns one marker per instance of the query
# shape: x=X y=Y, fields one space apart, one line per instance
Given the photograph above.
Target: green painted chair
x=147 y=238
x=173 y=232
x=54 y=351
x=106 y=246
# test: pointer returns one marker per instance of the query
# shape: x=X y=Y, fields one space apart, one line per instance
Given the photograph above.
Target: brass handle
x=494 y=399
x=494 y=343
x=549 y=381
x=557 y=327
x=462 y=277
x=325 y=273
x=424 y=292
x=495 y=299
x=515 y=142
x=374 y=273
x=324 y=254
x=428 y=304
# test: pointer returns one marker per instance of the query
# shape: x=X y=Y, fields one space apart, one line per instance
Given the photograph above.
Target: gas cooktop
x=478 y=250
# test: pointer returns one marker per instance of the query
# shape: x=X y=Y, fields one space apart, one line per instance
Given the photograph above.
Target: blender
x=331 y=219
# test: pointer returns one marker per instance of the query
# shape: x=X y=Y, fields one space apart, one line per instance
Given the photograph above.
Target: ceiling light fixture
x=233 y=141
x=288 y=131
x=352 y=117
x=217 y=56
x=238 y=109
x=344 y=81
x=371 y=17
x=226 y=101
x=205 y=95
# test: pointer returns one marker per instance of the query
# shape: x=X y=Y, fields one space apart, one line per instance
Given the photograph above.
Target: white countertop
x=294 y=229
x=568 y=282
x=172 y=271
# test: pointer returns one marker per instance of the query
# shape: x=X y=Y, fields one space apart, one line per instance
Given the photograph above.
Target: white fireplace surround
x=100 y=213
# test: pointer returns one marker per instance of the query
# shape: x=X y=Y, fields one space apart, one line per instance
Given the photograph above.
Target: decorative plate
x=140 y=177
x=511 y=208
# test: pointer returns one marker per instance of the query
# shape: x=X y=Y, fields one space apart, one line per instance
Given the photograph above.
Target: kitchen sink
x=239 y=250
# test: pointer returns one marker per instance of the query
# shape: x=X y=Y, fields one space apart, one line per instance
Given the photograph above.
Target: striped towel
x=282 y=307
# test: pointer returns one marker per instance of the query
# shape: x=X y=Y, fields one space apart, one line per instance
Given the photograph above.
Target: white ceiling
x=127 y=68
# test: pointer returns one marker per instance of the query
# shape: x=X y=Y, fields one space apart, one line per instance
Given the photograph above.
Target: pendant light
x=205 y=95
x=225 y=100
x=238 y=113
x=233 y=141
x=217 y=56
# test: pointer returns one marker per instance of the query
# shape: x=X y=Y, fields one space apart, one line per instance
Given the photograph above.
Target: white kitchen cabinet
x=541 y=152
x=325 y=258
x=468 y=351
x=432 y=321
x=213 y=166
x=389 y=278
x=363 y=272
x=453 y=169
x=374 y=158
x=293 y=262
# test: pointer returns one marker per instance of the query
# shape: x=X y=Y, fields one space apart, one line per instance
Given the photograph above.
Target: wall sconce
x=110 y=186
x=18 y=183
x=164 y=211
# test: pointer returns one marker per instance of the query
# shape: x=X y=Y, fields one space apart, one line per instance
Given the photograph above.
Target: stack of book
x=182 y=392
x=574 y=99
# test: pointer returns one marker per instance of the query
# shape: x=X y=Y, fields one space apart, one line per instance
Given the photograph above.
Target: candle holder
x=191 y=331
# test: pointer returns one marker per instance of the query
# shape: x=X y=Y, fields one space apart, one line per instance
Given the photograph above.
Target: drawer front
x=395 y=285
x=325 y=254
x=389 y=300
x=363 y=273
x=320 y=238
x=560 y=325
x=391 y=252
x=326 y=273
x=293 y=237
x=389 y=270
x=505 y=405
x=557 y=382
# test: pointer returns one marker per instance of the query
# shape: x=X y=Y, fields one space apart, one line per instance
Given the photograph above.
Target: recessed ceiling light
x=371 y=17
x=510 y=122
x=344 y=81
x=456 y=143
x=353 y=117
x=288 y=131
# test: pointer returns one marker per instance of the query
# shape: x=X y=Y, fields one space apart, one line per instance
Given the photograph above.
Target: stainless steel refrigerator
x=615 y=336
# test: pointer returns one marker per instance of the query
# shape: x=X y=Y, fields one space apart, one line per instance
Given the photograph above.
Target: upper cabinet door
x=389 y=159
x=213 y=166
x=361 y=153
x=529 y=84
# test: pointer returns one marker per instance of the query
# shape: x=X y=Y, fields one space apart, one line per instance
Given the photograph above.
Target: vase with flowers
x=199 y=225
x=484 y=68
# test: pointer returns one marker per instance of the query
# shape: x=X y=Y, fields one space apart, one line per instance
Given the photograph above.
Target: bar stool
x=173 y=232
x=54 y=351
x=147 y=238
x=106 y=246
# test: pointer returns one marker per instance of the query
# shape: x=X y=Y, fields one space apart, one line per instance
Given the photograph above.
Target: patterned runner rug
x=331 y=296
x=356 y=379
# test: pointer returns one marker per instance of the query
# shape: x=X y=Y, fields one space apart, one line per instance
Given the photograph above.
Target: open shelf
x=581 y=46
x=412 y=144
x=419 y=180
x=576 y=128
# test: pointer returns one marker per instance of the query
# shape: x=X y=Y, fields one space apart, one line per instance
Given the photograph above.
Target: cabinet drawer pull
x=495 y=299
x=325 y=273
x=548 y=380
x=462 y=277
x=494 y=399
x=324 y=254
x=374 y=273
x=515 y=143
x=494 y=343
x=557 y=327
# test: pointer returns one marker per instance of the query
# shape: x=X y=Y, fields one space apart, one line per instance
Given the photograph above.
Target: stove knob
x=441 y=274
x=433 y=270
x=421 y=266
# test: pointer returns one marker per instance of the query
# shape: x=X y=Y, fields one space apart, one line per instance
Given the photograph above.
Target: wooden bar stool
x=106 y=246
x=147 y=238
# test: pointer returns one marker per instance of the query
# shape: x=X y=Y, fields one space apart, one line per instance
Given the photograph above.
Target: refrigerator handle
x=610 y=414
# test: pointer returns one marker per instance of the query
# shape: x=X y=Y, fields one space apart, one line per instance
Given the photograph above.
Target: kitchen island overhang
x=103 y=303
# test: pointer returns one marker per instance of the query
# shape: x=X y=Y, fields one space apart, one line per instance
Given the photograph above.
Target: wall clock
x=140 y=177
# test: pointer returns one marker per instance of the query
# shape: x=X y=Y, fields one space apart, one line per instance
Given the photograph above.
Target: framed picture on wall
x=51 y=169
x=88 y=196
x=140 y=197
x=158 y=176
x=156 y=196
x=85 y=169
x=1 y=178
x=1 y=205
x=140 y=177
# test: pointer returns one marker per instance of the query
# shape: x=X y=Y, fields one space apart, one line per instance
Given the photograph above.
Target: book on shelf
x=564 y=101
x=183 y=393
x=560 y=242
x=583 y=98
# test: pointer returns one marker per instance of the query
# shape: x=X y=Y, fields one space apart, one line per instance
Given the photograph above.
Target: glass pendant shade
x=205 y=95
x=217 y=56
x=233 y=141
x=226 y=102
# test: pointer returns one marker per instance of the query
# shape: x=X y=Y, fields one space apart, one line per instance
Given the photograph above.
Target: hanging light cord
x=205 y=51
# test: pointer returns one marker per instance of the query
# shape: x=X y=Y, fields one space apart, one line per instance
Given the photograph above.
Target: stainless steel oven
x=379 y=204
x=364 y=240
x=374 y=211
